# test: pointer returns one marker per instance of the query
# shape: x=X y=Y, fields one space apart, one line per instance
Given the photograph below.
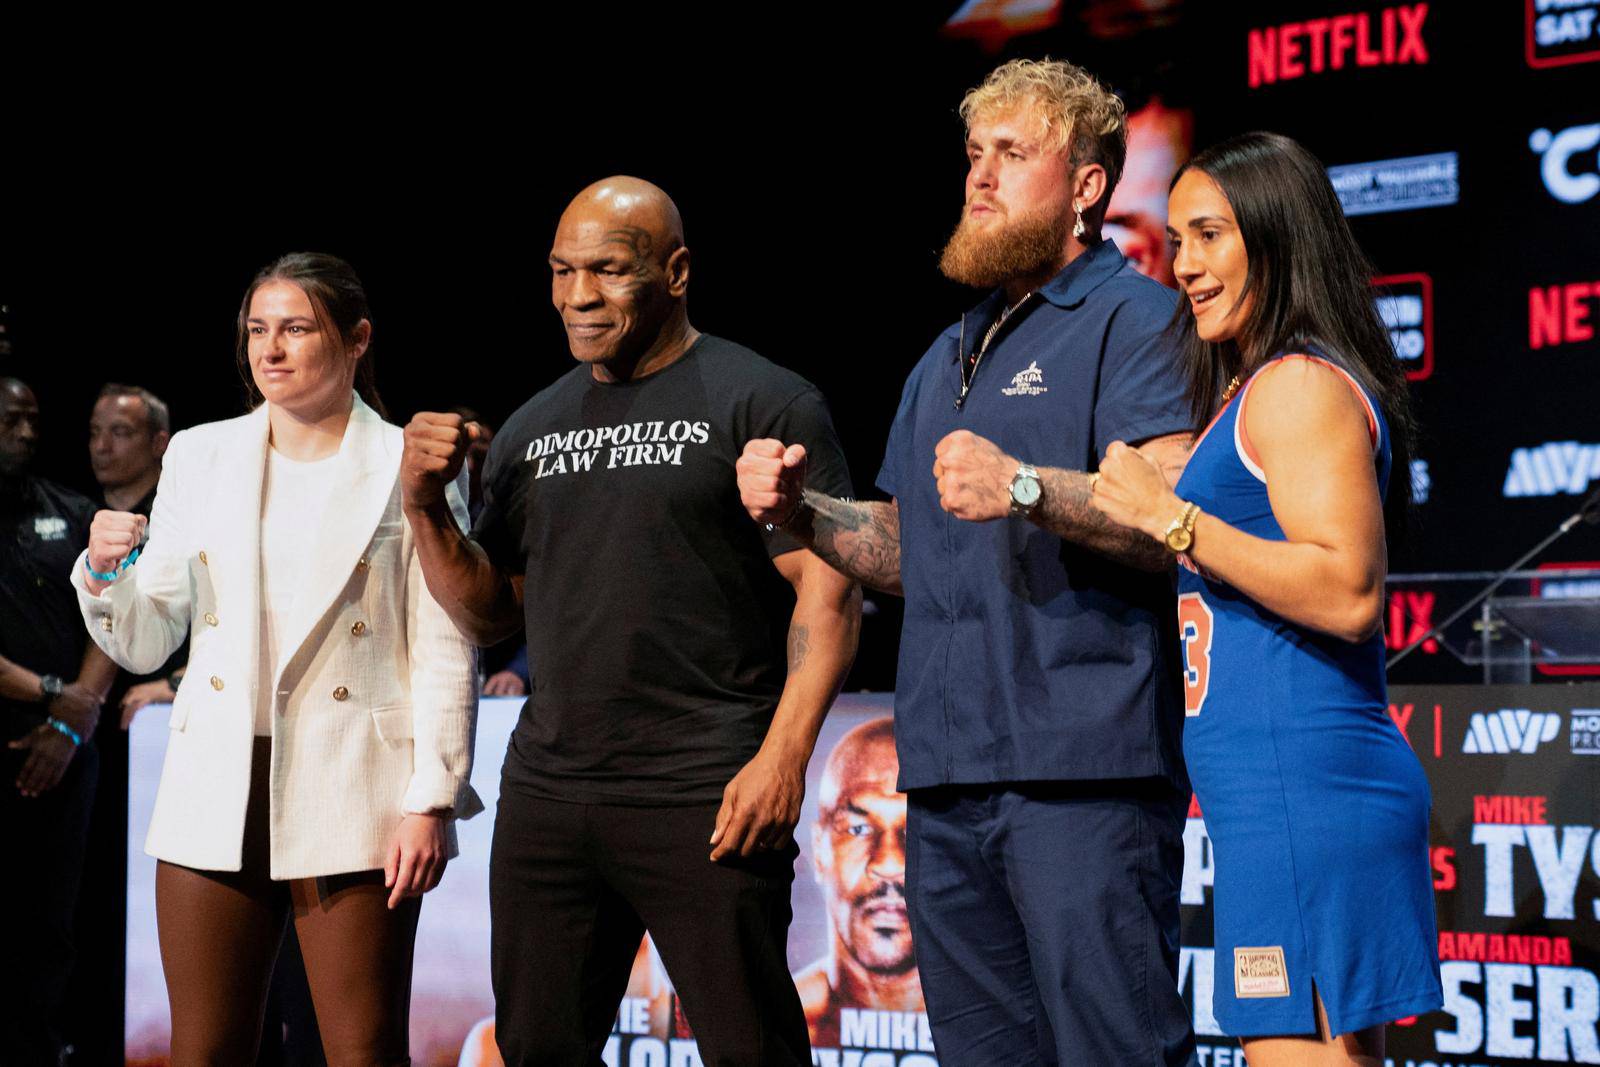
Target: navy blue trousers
x=1045 y=918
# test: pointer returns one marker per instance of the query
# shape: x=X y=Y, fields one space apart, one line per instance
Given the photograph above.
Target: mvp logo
x=1510 y=730
x=1548 y=469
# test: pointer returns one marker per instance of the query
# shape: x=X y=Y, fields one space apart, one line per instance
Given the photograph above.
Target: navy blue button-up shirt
x=1026 y=657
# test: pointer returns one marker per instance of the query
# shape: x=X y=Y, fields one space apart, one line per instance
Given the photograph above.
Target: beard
x=987 y=257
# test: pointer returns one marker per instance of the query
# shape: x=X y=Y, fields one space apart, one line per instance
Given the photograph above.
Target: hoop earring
x=1077 y=227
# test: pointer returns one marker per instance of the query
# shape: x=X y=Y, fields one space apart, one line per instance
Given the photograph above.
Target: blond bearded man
x=1037 y=714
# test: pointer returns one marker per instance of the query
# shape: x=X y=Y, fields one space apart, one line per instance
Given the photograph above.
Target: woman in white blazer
x=321 y=743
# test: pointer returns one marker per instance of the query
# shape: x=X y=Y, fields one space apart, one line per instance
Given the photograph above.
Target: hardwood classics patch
x=1260 y=972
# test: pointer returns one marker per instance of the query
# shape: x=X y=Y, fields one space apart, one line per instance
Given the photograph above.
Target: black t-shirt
x=652 y=607
x=43 y=527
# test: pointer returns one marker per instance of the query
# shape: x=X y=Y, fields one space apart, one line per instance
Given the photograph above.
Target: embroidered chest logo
x=1260 y=972
x=1026 y=382
x=53 y=528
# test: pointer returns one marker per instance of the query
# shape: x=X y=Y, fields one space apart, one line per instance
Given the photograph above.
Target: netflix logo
x=1410 y=617
x=1386 y=38
x=1559 y=314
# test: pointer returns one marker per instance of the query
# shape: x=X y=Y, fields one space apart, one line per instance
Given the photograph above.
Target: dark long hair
x=339 y=301
x=1310 y=286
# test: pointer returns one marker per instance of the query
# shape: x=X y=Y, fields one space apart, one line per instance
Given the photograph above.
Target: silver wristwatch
x=1026 y=489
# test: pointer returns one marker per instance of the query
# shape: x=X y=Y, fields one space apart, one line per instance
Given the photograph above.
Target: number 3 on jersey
x=1195 y=624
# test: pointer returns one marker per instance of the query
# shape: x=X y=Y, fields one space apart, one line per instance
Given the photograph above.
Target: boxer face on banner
x=1210 y=261
x=1018 y=209
x=1159 y=140
x=858 y=846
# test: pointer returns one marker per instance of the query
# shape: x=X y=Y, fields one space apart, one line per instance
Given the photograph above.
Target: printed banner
x=849 y=945
x=1516 y=863
x=1516 y=869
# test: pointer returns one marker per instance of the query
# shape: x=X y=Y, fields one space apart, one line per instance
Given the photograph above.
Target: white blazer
x=373 y=713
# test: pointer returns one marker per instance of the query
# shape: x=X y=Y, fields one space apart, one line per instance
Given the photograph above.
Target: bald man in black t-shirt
x=664 y=724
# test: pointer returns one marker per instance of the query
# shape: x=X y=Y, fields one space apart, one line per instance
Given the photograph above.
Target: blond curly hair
x=1077 y=114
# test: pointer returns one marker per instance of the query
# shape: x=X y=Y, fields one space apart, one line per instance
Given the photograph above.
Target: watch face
x=1179 y=539
x=1025 y=492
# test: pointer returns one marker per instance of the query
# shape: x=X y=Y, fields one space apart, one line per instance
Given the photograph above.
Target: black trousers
x=98 y=975
x=45 y=836
x=573 y=888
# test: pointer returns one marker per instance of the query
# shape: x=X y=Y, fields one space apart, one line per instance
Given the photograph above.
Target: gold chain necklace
x=1233 y=387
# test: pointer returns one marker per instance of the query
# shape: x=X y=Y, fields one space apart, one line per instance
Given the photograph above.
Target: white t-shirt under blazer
x=294 y=495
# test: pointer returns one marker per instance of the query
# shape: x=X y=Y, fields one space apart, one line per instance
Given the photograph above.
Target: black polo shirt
x=43 y=527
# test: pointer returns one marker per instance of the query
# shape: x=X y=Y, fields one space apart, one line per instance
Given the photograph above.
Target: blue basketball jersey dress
x=1316 y=807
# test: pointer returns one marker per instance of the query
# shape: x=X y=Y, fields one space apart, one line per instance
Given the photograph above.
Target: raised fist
x=436 y=446
x=771 y=478
x=113 y=535
x=1132 y=492
x=973 y=477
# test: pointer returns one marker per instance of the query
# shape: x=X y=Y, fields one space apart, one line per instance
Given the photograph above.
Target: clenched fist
x=1131 y=491
x=436 y=446
x=771 y=479
x=113 y=535
x=974 y=477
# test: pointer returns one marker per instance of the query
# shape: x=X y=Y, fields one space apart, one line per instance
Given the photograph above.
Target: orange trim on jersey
x=1355 y=387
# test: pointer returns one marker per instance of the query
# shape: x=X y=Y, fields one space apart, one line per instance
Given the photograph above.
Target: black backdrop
x=817 y=161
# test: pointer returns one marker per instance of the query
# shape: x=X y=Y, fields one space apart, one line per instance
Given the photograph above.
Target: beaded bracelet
x=62 y=728
x=113 y=575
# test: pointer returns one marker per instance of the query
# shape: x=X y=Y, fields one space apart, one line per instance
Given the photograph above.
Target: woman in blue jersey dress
x=1316 y=807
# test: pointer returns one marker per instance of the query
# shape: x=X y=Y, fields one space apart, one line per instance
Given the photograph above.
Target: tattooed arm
x=858 y=538
x=1064 y=509
x=761 y=805
x=975 y=483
